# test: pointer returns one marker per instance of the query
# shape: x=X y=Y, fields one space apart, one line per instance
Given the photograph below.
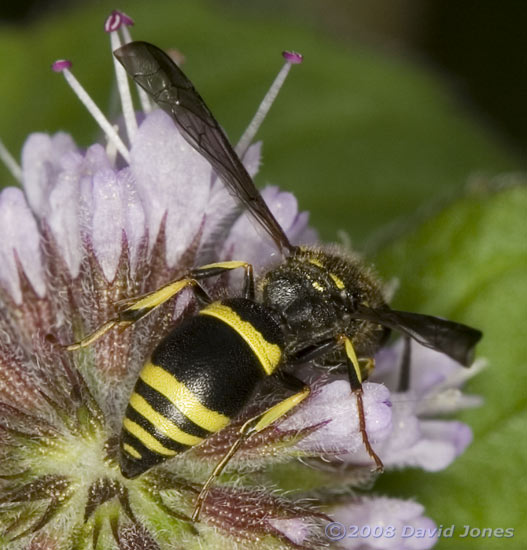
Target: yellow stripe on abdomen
x=181 y=397
x=162 y=424
x=132 y=451
x=148 y=440
x=268 y=354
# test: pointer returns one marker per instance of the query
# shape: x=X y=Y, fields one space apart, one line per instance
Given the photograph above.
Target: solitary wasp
x=317 y=304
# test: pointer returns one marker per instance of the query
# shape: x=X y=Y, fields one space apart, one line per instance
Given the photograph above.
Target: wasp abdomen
x=199 y=377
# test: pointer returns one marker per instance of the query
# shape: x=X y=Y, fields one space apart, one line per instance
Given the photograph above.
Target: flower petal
x=20 y=241
x=442 y=442
x=62 y=217
x=108 y=220
x=334 y=404
x=428 y=368
x=43 y=158
x=61 y=205
x=399 y=523
x=223 y=209
x=248 y=242
x=253 y=158
x=297 y=530
x=171 y=178
x=133 y=211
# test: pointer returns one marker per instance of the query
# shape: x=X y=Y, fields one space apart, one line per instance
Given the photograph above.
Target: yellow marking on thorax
x=338 y=281
x=149 y=441
x=182 y=398
x=131 y=451
x=163 y=424
x=268 y=354
x=317 y=286
x=316 y=262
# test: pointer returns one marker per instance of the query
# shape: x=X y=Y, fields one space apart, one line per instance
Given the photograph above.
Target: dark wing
x=164 y=81
x=453 y=339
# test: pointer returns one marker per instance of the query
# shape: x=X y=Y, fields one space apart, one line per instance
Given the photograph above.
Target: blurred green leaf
x=469 y=263
x=362 y=137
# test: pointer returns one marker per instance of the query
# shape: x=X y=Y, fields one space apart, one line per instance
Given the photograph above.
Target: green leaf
x=362 y=137
x=469 y=263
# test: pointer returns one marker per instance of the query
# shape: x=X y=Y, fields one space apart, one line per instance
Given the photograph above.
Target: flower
x=90 y=228
x=418 y=438
x=383 y=523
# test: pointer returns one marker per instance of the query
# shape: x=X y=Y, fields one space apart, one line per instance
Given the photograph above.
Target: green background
x=372 y=144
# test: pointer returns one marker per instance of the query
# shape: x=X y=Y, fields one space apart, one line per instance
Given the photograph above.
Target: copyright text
x=338 y=531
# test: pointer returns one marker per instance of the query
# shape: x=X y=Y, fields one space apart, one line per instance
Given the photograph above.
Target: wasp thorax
x=316 y=294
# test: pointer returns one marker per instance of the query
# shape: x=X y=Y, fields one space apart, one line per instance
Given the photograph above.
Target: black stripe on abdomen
x=161 y=404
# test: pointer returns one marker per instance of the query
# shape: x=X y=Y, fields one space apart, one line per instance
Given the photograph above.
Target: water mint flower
x=418 y=438
x=383 y=523
x=92 y=227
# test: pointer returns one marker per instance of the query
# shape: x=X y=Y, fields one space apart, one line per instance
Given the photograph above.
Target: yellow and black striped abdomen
x=199 y=378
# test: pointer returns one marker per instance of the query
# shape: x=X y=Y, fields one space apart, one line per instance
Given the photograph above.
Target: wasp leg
x=355 y=379
x=367 y=365
x=218 y=268
x=137 y=307
x=96 y=334
x=314 y=351
x=354 y=374
x=251 y=427
x=404 y=375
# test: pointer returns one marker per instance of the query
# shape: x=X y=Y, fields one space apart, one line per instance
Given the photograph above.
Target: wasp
x=317 y=304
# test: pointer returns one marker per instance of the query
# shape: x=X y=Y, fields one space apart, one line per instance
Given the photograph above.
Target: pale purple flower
x=339 y=433
x=381 y=523
x=418 y=438
x=92 y=227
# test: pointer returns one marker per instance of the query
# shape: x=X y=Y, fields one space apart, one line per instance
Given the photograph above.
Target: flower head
x=93 y=227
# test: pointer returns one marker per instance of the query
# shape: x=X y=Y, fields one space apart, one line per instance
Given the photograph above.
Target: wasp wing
x=153 y=70
x=453 y=339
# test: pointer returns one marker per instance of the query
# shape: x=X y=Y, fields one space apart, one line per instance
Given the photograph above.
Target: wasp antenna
x=291 y=58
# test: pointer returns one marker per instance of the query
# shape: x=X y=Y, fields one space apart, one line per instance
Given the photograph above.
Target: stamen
x=144 y=99
x=62 y=66
x=113 y=23
x=11 y=164
x=111 y=150
x=294 y=58
x=291 y=58
x=116 y=20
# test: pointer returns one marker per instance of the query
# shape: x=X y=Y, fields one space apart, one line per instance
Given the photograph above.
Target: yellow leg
x=218 y=268
x=367 y=365
x=96 y=334
x=133 y=309
x=355 y=378
x=352 y=358
x=252 y=426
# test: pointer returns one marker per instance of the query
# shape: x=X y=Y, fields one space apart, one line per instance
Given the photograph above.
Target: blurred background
x=396 y=79
x=477 y=46
x=401 y=110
